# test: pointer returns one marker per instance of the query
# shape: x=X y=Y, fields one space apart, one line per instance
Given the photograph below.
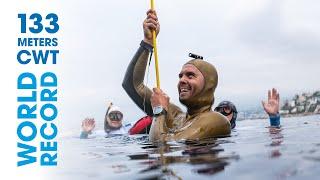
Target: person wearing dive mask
x=229 y=110
x=271 y=107
x=198 y=80
x=112 y=124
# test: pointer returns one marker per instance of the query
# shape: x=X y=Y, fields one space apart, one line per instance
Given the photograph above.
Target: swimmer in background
x=271 y=107
x=229 y=110
x=112 y=124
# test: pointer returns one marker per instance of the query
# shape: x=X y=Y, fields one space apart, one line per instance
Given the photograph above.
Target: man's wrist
x=84 y=135
x=158 y=111
x=274 y=119
x=148 y=42
x=273 y=114
x=147 y=46
x=87 y=132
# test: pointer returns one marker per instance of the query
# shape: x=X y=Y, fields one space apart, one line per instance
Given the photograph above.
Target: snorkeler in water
x=229 y=110
x=113 y=124
x=271 y=107
x=198 y=80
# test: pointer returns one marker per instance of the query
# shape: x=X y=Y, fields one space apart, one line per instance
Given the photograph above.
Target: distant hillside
x=305 y=103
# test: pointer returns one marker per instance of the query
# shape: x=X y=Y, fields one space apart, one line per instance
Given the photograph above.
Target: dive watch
x=158 y=111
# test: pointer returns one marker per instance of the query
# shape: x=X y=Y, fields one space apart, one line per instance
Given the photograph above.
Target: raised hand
x=149 y=24
x=159 y=98
x=272 y=105
x=88 y=125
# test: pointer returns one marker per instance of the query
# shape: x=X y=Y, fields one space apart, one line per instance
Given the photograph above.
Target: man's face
x=191 y=82
x=115 y=119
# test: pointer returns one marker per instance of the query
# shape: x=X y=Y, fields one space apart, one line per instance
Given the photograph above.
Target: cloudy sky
x=255 y=45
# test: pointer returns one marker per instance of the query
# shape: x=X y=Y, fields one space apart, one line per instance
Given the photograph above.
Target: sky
x=255 y=45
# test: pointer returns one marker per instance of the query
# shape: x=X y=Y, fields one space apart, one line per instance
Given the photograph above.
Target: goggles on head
x=115 y=116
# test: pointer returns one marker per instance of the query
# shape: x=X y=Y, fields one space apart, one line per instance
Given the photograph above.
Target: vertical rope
x=154 y=40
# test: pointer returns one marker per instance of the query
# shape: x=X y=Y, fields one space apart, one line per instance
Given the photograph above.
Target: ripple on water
x=252 y=152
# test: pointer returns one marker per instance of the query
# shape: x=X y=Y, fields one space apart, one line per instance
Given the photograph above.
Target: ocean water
x=253 y=151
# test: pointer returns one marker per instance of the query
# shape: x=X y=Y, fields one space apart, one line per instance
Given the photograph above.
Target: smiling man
x=197 y=82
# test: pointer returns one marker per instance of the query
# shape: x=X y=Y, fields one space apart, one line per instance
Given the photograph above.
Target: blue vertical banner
x=37 y=98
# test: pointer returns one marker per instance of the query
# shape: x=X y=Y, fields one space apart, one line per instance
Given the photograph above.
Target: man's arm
x=272 y=107
x=84 y=135
x=274 y=120
x=87 y=126
x=158 y=130
x=133 y=79
x=159 y=127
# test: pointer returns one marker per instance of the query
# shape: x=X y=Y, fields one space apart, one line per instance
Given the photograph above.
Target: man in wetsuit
x=197 y=82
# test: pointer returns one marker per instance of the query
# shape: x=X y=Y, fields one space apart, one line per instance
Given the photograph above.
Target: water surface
x=254 y=151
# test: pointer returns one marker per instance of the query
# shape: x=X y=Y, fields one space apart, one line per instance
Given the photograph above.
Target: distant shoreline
x=300 y=114
x=282 y=116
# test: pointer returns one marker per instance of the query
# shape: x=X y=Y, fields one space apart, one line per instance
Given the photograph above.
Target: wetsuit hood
x=203 y=100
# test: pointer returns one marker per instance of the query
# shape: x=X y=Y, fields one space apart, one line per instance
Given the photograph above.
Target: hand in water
x=88 y=125
x=272 y=105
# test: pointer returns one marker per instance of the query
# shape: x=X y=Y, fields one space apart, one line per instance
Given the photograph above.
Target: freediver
x=198 y=80
x=113 y=125
x=271 y=107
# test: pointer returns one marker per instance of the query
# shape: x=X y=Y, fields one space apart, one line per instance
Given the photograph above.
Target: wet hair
x=233 y=110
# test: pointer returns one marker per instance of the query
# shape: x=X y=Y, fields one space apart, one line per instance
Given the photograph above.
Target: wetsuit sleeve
x=83 y=135
x=133 y=79
x=275 y=120
x=159 y=130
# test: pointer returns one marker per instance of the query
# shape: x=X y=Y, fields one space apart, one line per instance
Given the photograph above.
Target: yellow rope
x=154 y=41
